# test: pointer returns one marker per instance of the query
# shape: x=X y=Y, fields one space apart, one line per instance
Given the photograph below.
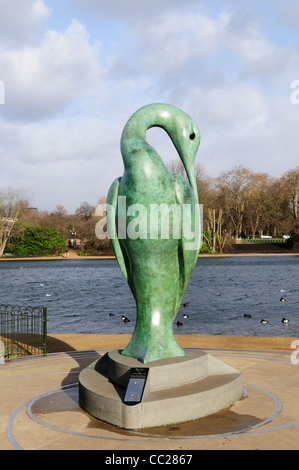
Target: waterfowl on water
x=111 y=314
x=185 y=316
x=282 y=299
x=186 y=305
x=285 y=320
x=179 y=323
x=247 y=315
x=264 y=321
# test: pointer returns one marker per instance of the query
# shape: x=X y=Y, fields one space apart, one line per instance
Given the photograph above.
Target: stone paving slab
x=39 y=408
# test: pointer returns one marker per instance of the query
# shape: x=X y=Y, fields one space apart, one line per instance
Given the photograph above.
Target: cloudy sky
x=73 y=71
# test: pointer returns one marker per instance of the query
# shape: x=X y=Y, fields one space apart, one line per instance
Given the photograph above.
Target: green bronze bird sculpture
x=158 y=259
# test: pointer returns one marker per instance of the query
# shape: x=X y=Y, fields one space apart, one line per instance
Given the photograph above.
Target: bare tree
x=217 y=236
x=258 y=202
x=60 y=211
x=278 y=214
x=235 y=187
x=12 y=203
x=222 y=238
x=85 y=211
x=291 y=179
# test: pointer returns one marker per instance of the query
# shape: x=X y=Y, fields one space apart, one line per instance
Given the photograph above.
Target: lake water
x=80 y=294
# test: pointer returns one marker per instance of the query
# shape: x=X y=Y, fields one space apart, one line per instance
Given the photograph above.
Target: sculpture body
x=156 y=268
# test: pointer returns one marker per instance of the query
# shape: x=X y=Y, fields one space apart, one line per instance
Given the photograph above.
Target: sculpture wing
x=112 y=200
x=187 y=257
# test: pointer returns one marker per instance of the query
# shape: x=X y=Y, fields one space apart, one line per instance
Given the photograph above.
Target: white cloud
x=129 y=10
x=191 y=47
x=40 y=8
x=21 y=22
x=68 y=96
x=259 y=56
x=63 y=162
x=42 y=81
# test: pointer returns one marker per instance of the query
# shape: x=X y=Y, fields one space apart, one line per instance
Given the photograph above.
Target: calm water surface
x=80 y=294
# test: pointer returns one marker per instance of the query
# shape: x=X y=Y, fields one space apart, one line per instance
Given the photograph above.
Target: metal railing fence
x=23 y=330
x=250 y=241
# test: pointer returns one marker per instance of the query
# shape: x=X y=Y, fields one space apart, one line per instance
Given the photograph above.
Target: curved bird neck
x=140 y=157
x=134 y=133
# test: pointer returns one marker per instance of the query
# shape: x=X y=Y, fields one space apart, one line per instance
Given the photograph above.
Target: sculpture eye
x=192 y=136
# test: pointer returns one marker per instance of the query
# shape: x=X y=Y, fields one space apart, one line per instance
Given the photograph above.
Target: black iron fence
x=23 y=330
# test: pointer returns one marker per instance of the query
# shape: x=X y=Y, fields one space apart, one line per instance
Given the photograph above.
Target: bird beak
x=192 y=180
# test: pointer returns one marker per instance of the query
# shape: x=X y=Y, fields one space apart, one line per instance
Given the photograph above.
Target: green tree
x=33 y=240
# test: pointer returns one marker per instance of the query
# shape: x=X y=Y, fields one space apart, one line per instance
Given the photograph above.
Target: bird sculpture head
x=180 y=127
x=185 y=136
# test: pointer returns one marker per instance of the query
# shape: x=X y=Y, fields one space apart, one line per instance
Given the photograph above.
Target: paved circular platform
x=39 y=408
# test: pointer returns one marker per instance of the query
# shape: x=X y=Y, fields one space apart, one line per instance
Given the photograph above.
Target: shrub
x=35 y=240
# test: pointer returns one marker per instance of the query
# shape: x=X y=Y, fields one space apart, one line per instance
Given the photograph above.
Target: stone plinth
x=176 y=390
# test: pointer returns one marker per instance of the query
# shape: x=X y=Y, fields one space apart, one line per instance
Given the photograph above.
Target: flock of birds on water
x=126 y=320
x=263 y=321
x=185 y=305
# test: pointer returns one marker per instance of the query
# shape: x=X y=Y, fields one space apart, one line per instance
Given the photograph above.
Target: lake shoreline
x=85 y=342
x=105 y=257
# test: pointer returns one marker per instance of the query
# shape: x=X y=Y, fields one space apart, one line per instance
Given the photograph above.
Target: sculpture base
x=176 y=389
